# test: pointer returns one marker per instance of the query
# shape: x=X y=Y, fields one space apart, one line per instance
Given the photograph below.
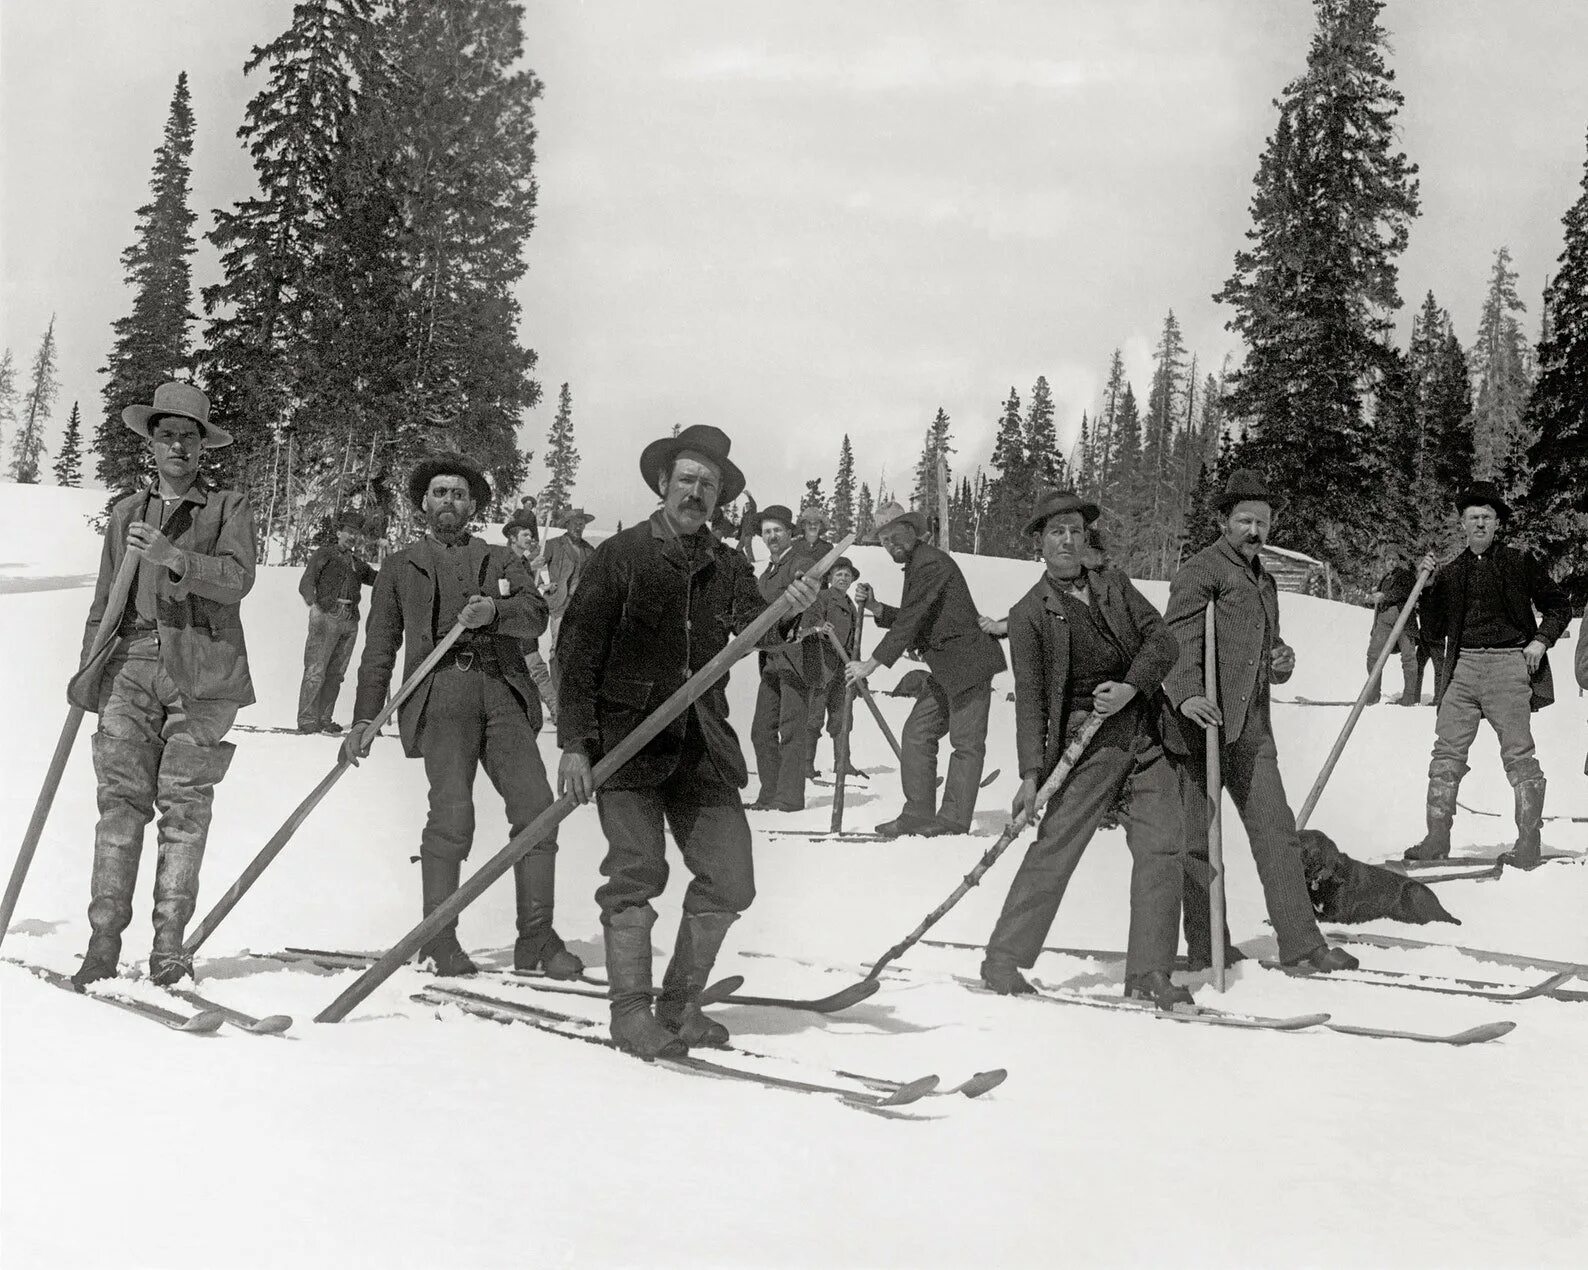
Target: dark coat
x=199 y=614
x=402 y=612
x=334 y=573
x=646 y=616
x=1525 y=585
x=1246 y=604
x=937 y=617
x=818 y=660
x=780 y=652
x=1039 y=646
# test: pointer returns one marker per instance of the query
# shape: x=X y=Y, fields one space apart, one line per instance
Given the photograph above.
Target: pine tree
x=27 y=448
x=68 y=464
x=1500 y=435
x=8 y=394
x=813 y=496
x=936 y=445
x=1042 y=443
x=1008 y=490
x=152 y=343
x=844 y=491
x=1314 y=293
x=864 y=523
x=1103 y=425
x=562 y=461
x=1085 y=463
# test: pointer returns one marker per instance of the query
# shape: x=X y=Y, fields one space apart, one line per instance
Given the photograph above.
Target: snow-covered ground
x=402 y=1139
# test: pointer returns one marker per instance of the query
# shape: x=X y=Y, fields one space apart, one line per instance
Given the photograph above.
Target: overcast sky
x=800 y=220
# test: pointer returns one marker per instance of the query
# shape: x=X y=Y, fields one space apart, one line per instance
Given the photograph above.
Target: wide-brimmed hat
x=1056 y=503
x=776 y=512
x=448 y=463
x=574 y=514
x=523 y=518
x=1246 y=486
x=843 y=562
x=815 y=513
x=891 y=513
x=1483 y=494
x=713 y=443
x=183 y=400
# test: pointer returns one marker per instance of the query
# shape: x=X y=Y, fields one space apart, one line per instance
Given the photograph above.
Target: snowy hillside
x=411 y=1137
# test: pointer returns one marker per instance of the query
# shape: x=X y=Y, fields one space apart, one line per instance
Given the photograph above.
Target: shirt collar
x=1254 y=566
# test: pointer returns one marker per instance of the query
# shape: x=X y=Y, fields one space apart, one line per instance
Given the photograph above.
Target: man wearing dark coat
x=169 y=684
x=1251 y=655
x=658 y=601
x=331 y=586
x=1496 y=667
x=937 y=617
x=834 y=609
x=1084 y=641
x=477 y=707
x=522 y=532
x=1394 y=588
x=779 y=728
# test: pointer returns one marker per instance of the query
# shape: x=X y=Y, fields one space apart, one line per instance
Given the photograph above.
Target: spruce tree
x=562 y=461
x=1103 y=424
x=813 y=496
x=1085 y=465
x=1499 y=361
x=938 y=444
x=8 y=394
x=1042 y=443
x=27 y=447
x=864 y=523
x=1008 y=491
x=69 y=463
x=844 y=491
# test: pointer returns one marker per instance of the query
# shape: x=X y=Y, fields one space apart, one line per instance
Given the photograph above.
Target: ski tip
x=984 y=1082
x=854 y=994
x=204 y=1022
x=912 y=1092
x=271 y=1025
x=1298 y=1021
x=718 y=991
x=1483 y=1032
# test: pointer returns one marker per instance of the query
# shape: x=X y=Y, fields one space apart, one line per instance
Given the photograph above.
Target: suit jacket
x=199 y=614
x=1246 y=614
x=1039 y=646
x=1525 y=585
x=565 y=563
x=937 y=616
x=402 y=612
x=781 y=652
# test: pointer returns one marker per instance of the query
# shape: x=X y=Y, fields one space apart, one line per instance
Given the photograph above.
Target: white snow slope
x=399 y=1138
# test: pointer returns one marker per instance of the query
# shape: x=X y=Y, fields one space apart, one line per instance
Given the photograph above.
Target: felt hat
x=843 y=562
x=354 y=521
x=1246 y=486
x=523 y=518
x=1056 y=503
x=448 y=463
x=702 y=438
x=186 y=402
x=891 y=513
x=1483 y=494
x=573 y=514
x=776 y=512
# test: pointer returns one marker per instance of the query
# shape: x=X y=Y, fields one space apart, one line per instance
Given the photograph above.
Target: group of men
x=654 y=605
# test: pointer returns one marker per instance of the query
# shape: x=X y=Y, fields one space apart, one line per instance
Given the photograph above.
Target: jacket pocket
x=632 y=693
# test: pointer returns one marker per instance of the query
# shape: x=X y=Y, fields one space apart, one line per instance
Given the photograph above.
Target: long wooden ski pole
x=1215 y=796
x=1012 y=830
x=846 y=718
x=876 y=711
x=518 y=846
x=282 y=836
x=120 y=589
x=1327 y=770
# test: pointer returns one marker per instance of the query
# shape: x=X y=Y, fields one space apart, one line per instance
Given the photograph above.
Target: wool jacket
x=334 y=573
x=937 y=617
x=565 y=565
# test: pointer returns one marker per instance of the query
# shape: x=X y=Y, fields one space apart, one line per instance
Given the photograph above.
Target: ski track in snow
x=402 y=1139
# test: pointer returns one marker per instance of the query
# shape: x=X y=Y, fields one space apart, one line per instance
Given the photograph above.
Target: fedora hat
x=1483 y=494
x=890 y=513
x=573 y=514
x=448 y=463
x=705 y=440
x=523 y=518
x=776 y=512
x=1056 y=503
x=1246 y=486
x=186 y=402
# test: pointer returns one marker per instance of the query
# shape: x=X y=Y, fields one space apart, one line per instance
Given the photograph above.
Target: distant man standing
x=175 y=676
x=1395 y=584
x=331 y=586
x=937 y=617
x=833 y=607
x=778 y=729
x=477 y=707
x=1251 y=655
x=1496 y=668
x=523 y=540
x=566 y=557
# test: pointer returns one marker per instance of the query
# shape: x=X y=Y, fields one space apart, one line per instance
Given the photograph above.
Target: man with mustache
x=522 y=532
x=778 y=731
x=936 y=616
x=476 y=708
x=659 y=600
x=1496 y=667
x=331 y=585
x=1251 y=656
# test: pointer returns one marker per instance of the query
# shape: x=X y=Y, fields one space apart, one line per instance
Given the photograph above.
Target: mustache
x=690 y=501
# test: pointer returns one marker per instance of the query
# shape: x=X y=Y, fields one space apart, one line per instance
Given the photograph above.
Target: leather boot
x=1158 y=987
x=439 y=879
x=538 y=946
x=700 y=937
x=126 y=773
x=100 y=961
x=1441 y=815
x=634 y=1027
x=1323 y=959
x=1003 y=977
x=1528 y=852
x=188 y=776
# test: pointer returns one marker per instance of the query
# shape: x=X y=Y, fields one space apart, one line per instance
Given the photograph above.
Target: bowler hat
x=183 y=400
x=702 y=438
x=890 y=513
x=776 y=512
x=448 y=463
x=523 y=518
x=1483 y=494
x=1246 y=486
x=1056 y=503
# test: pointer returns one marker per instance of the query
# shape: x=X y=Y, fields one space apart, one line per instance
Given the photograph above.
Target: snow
x=398 y=1138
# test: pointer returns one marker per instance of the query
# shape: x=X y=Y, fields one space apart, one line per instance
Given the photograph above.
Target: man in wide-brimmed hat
x=477 y=707
x=1394 y=588
x=811 y=537
x=566 y=557
x=1084 y=641
x=937 y=617
x=836 y=610
x=1496 y=667
x=657 y=602
x=779 y=728
x=168 y=686
x=522 y=532
x=1250 y=656
x=331 y=586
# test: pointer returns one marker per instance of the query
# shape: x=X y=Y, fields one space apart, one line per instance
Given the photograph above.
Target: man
x=330 y=586
x=1395 y=584
x=171 y=683
x=833 y=607
x=936 y=616
x=658 y=602
x=566 y=558
x=782 y=700
x=1496 y=668
x=812 y=541
x=523 y=540
x=476 y=707
x=1251 y=656
x=1084 y=641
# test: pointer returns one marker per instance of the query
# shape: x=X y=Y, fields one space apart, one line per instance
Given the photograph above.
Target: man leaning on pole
x=331 y=586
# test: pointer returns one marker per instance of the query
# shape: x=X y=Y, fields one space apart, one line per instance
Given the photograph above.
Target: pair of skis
x=208 y=1016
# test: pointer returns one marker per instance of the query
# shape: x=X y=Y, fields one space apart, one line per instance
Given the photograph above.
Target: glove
x=355 y=745
x=479 y=611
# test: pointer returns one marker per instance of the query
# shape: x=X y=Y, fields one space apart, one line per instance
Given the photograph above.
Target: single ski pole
x=846 y=718
x=1215 y=784
x=1327 y=770
x=518 y=846
x=104 y=639
x=283 y=835
x=1016 y=826
x=865 y=695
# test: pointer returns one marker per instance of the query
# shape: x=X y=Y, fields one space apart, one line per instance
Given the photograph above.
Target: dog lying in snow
x=1346 y=890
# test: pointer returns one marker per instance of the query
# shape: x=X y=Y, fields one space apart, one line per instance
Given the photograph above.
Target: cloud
x=890 y=67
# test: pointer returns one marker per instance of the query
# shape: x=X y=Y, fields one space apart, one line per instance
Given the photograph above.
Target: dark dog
x=1346 y=890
